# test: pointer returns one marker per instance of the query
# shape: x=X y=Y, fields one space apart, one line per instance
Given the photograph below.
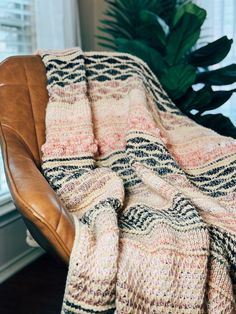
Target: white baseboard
x=19 y=262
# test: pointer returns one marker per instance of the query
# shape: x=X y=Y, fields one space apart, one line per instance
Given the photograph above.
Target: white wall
x=91 y=11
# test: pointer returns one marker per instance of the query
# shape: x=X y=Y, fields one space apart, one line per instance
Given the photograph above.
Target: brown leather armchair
x=23 y=99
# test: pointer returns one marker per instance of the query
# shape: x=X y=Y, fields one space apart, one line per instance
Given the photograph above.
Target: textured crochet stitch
x=152 y=193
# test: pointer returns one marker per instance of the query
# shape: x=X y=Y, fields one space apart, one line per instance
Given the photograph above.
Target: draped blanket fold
x=152 y=193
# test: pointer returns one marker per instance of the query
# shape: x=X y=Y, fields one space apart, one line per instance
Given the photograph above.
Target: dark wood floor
x=37 y=289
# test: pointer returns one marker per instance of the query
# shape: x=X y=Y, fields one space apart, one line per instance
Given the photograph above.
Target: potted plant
x=165 y=33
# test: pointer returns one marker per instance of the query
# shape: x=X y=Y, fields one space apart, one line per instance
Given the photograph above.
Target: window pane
x=17 y=27
x=17 y=36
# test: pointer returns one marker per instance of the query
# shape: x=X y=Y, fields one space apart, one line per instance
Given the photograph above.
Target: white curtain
x=221 y=20
x=57 y=24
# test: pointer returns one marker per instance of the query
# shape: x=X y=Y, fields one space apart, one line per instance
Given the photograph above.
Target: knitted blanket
x=152 y=193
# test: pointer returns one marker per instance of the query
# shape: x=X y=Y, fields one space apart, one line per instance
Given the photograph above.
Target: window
x=17 y=30
x=17 y=36
x=221 y=21
x=56 y=24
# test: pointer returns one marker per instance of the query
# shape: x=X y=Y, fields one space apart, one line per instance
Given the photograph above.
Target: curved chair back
x=23 y=100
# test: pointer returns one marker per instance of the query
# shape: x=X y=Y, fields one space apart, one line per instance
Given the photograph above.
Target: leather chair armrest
x=34 y=198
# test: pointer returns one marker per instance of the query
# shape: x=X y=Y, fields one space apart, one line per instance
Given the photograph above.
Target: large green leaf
x=212 y=53
x=120 y=12
x=151 y=31
x=151 y=18
x=200 y=100
x=106 y=39
x=192 y=9
x=218 y=99
x=182 y=37
x=105 y=45
x=165 y=9
x=204 y=99
x=178 y=79
x=114 y=32
x=120 y=19
x=126 y=14
x=185 y=101
x=217 y=122
x=143 y=51
x=222 y=76
x=207 y=99
x=115 y=26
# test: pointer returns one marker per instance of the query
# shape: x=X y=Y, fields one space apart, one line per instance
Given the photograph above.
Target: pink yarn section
x=75 y=119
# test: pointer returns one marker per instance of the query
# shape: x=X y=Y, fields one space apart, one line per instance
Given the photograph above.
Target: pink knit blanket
x=152 y=193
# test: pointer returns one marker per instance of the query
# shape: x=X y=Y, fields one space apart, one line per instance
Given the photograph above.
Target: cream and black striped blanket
x=152 y=193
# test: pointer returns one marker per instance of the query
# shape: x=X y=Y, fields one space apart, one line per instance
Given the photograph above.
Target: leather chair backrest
x=23 y=100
